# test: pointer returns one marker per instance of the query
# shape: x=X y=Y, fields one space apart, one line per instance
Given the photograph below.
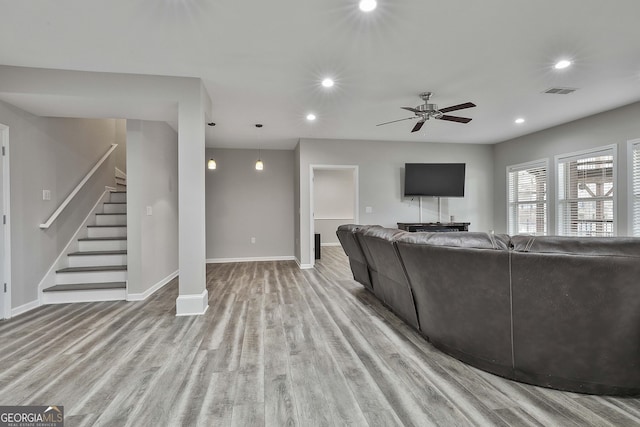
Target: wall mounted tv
x=434 y=179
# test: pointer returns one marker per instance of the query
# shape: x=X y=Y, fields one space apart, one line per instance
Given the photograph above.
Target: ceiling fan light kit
x=428 y=111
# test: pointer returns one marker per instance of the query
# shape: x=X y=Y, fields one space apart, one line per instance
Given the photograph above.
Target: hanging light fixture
x=259 y=164
x=211 y=164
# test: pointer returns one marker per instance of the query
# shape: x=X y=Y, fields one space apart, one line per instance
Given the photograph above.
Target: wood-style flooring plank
x=279 y=346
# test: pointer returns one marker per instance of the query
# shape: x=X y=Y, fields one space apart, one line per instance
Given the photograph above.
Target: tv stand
x=433 y=227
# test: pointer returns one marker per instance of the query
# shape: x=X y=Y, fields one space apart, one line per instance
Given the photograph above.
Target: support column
x=193 y=296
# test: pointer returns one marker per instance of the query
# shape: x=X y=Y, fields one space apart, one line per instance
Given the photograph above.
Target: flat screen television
x=434 y=179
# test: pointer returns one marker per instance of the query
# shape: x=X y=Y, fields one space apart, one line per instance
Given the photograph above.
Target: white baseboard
x=250 y=259
x=329 y=244
x=25 y=307
x=146 y=294
x=303 y=266
x=192 y=305
x=49 y=279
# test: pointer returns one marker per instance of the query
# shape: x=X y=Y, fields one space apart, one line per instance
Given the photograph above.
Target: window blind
x=635 y=188
x=586 y=204
x=527 y=198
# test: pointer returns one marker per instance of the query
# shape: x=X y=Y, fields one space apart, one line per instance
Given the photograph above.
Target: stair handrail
x=75 y=191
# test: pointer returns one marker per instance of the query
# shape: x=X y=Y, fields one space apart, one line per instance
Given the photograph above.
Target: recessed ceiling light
x=367 y=5
x=561 y=65
x=519 y=120
x=311 y=117
x=327 y=82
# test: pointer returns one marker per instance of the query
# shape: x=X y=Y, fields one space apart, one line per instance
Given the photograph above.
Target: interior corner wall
x=50 y=154
x=121 y=140
x=296 y=203
x=381 y=172
x=152 y=182
x=612 y=127
x=243 y=203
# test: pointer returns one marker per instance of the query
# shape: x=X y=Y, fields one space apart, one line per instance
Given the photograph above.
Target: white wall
x=50 y=154
x=381 y=168
x=334 y=202
x=242 y=203
x=613 y=127
x=152 y=181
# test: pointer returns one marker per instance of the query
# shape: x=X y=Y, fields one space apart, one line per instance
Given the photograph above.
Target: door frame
x=6 y=199
x=356 y=208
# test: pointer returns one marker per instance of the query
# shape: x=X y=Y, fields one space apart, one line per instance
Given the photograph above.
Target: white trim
x=120 y=174
x=630 y=144
x=108 y=188
x=192 y=305
x=356 y=208
x=75 y=191
x=250 y=259
x=25 y=307
x=6 y=202
x=567 y=157
x=49 y=278
x=303 y=266
x=146 y=294
x=329 y=244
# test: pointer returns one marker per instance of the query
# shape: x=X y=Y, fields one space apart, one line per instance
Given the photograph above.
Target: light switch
x=253 y=240
x=368 y=209
x=46 y=194
x=149 y=211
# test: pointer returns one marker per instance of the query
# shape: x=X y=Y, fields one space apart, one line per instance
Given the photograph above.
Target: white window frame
x=592 y=152
x=520 y=167
x=633 y=201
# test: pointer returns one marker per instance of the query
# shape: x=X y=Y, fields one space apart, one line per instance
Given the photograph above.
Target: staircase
x=97 y=271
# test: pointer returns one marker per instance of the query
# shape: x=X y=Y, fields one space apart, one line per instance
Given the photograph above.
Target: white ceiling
x=262 y=61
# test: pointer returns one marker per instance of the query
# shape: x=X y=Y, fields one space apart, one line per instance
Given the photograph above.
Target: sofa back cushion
x=460 y=283
x=576 y=305
x=380 y=250
x=351 y=246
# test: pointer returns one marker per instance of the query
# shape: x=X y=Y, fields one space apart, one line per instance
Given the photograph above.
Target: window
x=586 y=193
x=527 y=198
x=634 y=187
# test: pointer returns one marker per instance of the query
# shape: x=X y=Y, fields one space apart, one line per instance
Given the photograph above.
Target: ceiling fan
x=426 y=111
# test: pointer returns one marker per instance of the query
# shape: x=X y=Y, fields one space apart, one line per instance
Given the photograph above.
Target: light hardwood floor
x=277 y=347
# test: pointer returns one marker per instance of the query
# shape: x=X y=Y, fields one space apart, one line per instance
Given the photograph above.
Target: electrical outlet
x=46 y=194
x=149 y=211
x=253 y=240
x=368 y=209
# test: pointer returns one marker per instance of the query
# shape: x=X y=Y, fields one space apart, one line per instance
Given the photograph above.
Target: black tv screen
x=434 y=179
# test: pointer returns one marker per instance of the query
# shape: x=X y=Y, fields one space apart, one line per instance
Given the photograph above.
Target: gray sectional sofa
x=558 y=312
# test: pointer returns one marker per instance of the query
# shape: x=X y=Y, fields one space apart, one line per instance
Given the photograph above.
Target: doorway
x=5 y=231
x=334 y=201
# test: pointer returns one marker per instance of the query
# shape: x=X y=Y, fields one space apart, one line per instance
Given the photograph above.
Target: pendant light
x=259 y=164
x=211 y=164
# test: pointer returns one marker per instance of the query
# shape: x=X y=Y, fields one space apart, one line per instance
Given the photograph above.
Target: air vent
x=560 y=90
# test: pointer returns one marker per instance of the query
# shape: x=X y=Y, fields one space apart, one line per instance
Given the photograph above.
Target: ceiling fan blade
x=457 y=107
x=455 y=119
x=418 y=126
x=393 y=121
x=413 y=110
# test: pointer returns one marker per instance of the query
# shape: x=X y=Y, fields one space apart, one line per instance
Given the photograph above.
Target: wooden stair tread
x=93 y=269
x=115 y=203
x=86 y=286
x=88 y=239
x=98 y=253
